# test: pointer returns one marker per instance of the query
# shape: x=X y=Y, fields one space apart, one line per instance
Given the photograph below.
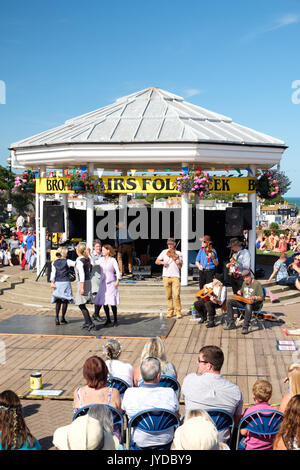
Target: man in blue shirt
x=280 y=272
x=206 y=261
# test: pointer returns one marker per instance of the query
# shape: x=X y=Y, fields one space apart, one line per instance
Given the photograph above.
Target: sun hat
x=198 y=433
x=24 y=229
x=234 y=242
x=84 y=433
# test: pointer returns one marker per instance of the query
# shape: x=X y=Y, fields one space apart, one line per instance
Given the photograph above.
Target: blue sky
x=61 y=59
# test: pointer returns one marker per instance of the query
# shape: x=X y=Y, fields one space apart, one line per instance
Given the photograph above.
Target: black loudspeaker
x=234 y=222
x=55 y=221
x=247 y=213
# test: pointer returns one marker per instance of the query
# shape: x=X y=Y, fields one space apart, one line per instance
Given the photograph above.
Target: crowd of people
x=18 y=245
x=202 y=391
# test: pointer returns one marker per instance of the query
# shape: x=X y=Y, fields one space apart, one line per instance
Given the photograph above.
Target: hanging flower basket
x=24 y=183
x=84 y=183
x=195 y=183
x=272 y=183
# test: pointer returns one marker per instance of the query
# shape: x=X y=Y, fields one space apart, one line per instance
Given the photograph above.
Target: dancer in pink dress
x=108 y=293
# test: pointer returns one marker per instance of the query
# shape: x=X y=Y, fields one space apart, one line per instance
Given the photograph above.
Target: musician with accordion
x=250 y=297
x=209 y=298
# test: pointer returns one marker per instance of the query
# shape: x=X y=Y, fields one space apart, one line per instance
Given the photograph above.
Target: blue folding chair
x=119 y=384
x=262 y=423
x=222 y=419
x=118 y=417
x=152 y=421
x=167 y=381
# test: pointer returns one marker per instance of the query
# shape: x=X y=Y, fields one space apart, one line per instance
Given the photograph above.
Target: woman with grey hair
x=116 y=368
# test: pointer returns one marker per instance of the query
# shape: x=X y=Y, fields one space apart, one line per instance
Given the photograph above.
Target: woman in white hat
x=198 y=432
x=94 y=431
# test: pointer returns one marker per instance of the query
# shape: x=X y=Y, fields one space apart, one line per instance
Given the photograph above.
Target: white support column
x=185 y=235
x=252 y=232
x=123 y=203
x=43 y=250
x=90 y=214
x=37 y=231
x=65 y=205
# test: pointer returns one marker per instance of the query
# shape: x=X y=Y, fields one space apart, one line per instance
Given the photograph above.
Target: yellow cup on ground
x=36 y=381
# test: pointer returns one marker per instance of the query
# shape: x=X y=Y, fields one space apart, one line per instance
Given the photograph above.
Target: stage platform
x=130 y=326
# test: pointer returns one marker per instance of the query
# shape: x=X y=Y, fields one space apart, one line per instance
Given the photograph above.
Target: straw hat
x=84 y=433
x=198 y=433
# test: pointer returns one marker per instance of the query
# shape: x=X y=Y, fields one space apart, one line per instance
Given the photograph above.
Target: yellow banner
x=151 y=184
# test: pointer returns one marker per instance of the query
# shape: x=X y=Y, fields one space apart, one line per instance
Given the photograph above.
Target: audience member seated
x=287 y=236
x=14 y=433
x=148 y=396
x=288 y=437
x=14 y=244
x=95 y=373
x=207 y=388
x=273 y=240
x=5 y=257
x=196 y=433
x=90 y=432
x=294 y=386
x=116 y=368
x=294 y=270
x=154 y=348
x=280 y=272
x=282 y=246
x=261 y=394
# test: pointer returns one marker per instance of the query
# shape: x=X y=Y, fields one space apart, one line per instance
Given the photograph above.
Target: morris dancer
x=60 y=281
x=108 y=293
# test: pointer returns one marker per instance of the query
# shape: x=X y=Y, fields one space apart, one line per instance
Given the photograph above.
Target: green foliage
x=273 y=226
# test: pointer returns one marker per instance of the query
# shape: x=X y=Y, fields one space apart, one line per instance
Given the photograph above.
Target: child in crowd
x=261 y=392
x=5 y=257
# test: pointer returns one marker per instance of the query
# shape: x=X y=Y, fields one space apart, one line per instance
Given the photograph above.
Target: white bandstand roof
x=151 y=127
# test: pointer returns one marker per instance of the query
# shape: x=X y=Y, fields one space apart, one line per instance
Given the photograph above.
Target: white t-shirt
x=122 y=370
x=212 y=391
x=145 y=397
x=172 y=269
x=221 y=296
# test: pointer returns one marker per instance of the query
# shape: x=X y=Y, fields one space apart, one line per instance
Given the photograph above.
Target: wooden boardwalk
x=60 y=359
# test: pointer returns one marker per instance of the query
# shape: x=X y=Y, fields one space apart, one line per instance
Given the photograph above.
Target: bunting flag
x=250 y=171
x=36 y=174
x=66 y=172
x=168 y=170
x=100 y=172
x=50 y=174
x=238 y=170
x=185 y=169
x=212 y=168
x=74 y=171
x=116 y=170
x=226 y=169
x=133 y=171
x=150 y=170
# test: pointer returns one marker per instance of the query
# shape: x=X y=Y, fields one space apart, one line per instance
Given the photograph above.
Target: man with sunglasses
x=208 y=389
